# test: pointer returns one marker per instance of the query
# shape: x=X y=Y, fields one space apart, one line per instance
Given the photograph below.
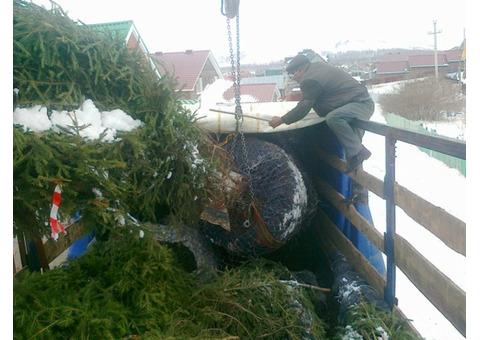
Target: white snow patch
x=351 y=334
x=293 y=217
x=91 y=123
x=119 y=120
x=34 y=118
x=384 y=334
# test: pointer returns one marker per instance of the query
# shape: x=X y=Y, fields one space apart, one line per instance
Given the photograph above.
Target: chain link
x=236 y=76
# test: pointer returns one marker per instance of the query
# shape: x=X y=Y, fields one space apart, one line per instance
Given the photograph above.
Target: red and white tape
x=54 y=223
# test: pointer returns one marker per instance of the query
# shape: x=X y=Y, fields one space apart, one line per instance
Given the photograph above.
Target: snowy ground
x=442 y=186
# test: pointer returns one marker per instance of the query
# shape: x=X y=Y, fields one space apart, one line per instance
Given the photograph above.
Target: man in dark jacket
x=335 y=95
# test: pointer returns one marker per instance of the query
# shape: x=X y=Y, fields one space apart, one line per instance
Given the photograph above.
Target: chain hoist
x=231 y=11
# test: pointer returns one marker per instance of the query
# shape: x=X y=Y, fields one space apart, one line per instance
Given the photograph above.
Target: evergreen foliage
x=59 y=63
x=156 y=172
x=251 y=302
x=126 y=285
x=365 y=321
x=41 y=160
x=131 y=285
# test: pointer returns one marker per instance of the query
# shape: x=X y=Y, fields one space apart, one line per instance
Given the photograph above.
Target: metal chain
x=238 y=110
x=235 y=73
x=234 y=76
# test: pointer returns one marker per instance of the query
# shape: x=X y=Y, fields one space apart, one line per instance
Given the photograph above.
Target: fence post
x=390 y=216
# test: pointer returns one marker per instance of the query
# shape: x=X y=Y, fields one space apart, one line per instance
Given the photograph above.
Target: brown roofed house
x=257 y=93
x=193 y=70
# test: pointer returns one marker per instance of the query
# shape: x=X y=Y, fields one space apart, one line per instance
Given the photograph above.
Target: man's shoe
x=361 y=198
x=357 y=160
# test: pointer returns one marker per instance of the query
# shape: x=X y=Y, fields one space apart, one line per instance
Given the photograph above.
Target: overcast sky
x=274 y=29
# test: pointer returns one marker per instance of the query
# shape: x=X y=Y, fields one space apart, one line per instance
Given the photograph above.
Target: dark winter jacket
x=325 y=88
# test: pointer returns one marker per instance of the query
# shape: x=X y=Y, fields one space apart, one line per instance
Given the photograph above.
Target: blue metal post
x=390 y=213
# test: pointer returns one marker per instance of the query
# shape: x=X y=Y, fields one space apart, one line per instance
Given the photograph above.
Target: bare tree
x=424 y=99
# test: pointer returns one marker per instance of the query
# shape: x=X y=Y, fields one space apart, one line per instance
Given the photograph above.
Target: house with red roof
x=257 y=93
x=394 y=67
x=127 y=30
x=423 y=65
x=192 y=70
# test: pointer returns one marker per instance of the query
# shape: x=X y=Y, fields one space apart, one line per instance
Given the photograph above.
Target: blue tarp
x=363 y=244
x=343 y=184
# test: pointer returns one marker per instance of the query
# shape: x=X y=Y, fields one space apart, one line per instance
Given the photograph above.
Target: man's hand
x=275 y=121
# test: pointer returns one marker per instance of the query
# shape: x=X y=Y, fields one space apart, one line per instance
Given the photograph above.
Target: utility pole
x=435 y=32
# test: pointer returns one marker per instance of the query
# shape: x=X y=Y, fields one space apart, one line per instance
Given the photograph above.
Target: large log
x=273 y=204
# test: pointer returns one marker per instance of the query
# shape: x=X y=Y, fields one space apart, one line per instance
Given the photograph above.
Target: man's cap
x=296 y=63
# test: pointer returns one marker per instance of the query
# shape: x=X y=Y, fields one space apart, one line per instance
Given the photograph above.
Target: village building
x=395 y=67
x=193 y=70
x=128 y=31
x=256 y=93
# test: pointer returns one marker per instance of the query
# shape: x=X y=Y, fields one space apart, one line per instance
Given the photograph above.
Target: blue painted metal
x=390 y=206
x=79 y=247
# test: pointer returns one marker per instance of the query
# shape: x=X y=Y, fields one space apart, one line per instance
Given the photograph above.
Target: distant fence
x=452 y=162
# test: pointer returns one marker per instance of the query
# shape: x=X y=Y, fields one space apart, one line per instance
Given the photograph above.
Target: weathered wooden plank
x=446 y=227
x=443 y=225
x=54 y=248
x=368 y=181
x=364 y=178
x=442 y=292
x=331 y=238
x=349 y=211
x=353 y=256
x=446 y=145
x=332 y=160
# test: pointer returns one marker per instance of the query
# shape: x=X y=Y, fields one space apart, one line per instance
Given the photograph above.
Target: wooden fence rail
x=444 y=294
x=331 y=238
